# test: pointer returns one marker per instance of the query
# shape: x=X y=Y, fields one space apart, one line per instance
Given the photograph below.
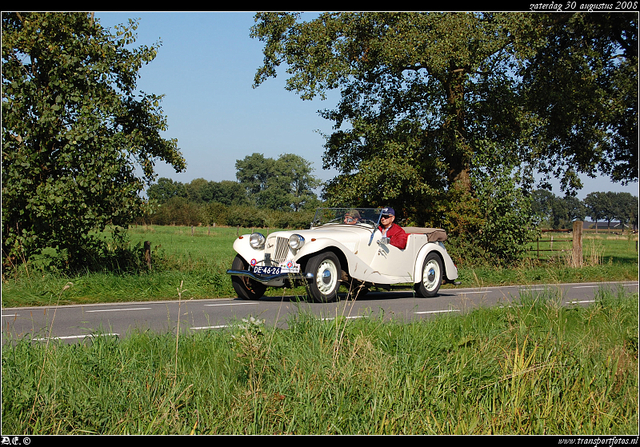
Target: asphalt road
x=77 y=322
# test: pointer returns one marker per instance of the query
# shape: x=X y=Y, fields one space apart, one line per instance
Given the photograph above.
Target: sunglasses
x=386 y=216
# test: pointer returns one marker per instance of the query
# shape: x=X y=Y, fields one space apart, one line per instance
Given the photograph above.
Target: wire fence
x=547 y=243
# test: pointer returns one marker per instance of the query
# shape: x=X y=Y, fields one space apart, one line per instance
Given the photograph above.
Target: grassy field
x=534 y=367
x=200 y=259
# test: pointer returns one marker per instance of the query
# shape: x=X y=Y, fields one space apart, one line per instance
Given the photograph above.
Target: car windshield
x=346 y=216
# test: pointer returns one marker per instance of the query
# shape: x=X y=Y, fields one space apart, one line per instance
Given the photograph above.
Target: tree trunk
x=459 y=154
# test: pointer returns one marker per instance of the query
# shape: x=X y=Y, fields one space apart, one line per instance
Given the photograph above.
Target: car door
x=396 y=264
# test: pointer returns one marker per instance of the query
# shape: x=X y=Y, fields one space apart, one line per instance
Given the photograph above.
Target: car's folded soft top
x=433 y=234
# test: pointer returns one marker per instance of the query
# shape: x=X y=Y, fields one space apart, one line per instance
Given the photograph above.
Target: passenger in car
x=352 y=217
x=397 y=236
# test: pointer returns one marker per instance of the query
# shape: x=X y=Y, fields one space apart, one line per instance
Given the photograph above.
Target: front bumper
x=269 y=278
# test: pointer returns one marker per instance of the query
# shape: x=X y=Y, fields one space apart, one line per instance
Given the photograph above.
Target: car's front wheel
x=431 y=276
x=246 y=288
x=327 y=272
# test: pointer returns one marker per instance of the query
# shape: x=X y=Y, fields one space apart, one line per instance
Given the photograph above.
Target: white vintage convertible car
x=339 y=250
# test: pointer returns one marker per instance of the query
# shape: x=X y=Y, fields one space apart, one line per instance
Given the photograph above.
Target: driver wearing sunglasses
x=397 y=236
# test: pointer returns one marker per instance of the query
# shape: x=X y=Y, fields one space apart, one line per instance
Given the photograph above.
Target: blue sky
x=205 y=69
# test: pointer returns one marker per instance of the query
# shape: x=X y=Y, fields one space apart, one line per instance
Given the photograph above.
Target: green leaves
x=577 y=84
x=285 y=183
x=74 y=132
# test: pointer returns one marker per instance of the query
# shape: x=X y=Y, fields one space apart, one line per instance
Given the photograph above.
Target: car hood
x=331 y=231
x=348 y=235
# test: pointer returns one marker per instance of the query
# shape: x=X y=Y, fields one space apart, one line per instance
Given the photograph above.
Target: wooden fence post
x=577 y=243
x=147 y=253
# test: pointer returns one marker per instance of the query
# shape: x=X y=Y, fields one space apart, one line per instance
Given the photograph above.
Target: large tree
x=285 y=183
x=430 y=101
x=79 y=141
x=582 y=85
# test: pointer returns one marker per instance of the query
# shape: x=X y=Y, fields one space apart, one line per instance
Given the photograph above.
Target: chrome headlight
x=296 y=242
x=257 y=240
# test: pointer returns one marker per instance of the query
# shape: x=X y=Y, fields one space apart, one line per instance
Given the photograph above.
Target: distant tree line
x=268 y=193
x=559 y=212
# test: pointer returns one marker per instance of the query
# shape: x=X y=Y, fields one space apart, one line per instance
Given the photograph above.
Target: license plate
x=266 y=270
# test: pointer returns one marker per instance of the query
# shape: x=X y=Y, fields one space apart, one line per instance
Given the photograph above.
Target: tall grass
x=528 y=367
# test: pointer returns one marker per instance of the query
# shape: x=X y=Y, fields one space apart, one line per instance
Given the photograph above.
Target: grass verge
x=532 y=368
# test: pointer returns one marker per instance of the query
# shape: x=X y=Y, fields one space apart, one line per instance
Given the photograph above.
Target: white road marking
x=229 y=304
x=118 y=310
x=436 y=311
x=71 y=337
x=348 y=318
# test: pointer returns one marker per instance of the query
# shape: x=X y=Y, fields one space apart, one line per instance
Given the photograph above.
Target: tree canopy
x=79 y=141
x=285 y=183
x=443 y=114
x=558 y=91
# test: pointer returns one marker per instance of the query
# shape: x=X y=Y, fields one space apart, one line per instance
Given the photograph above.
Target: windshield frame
x=365 y=217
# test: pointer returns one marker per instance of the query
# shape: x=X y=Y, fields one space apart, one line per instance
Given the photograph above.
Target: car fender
x=450 y=269
x=242 y=247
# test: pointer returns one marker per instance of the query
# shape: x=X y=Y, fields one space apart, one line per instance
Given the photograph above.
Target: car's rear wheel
x=245 y=287
x=326 y=270
x=431 y=276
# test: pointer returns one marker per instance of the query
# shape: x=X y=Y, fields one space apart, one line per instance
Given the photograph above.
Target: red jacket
x=397 y=236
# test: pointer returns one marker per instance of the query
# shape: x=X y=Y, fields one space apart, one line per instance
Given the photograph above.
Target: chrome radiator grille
x=282 y=249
